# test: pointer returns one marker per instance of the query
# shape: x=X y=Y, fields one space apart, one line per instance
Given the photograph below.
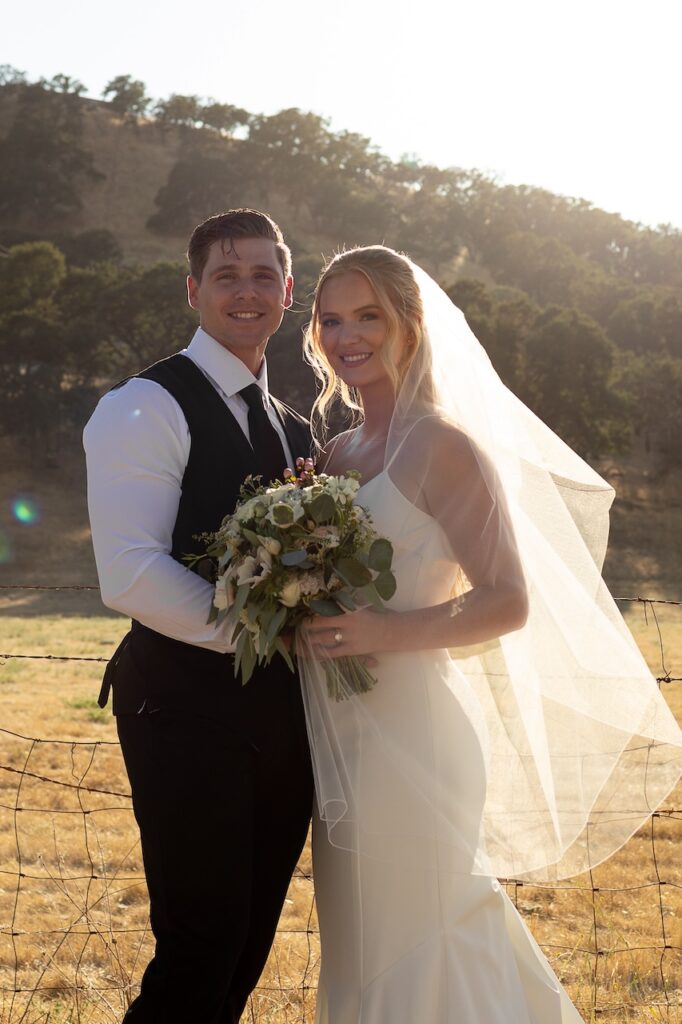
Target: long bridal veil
x=541 y=751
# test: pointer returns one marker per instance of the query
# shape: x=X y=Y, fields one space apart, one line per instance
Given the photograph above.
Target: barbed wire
x=74 y=929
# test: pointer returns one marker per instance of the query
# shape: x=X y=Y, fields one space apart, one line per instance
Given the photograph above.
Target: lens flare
x=5 y=548
x=25 y=510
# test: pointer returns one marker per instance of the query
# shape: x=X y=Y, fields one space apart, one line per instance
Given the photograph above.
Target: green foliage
x=143 y=316
x=501 y=319
x=63 y=329
x=201 y=181
x=44 y=165
x=128 y=96
x=558 y=360
x=649 y=321
x=568 y=367
x=10 y=75
x=654 y=383
x=30 y=272
x=66 y=84
x=98 y=245
x=178 y=111
x=223 y=117
x=548 y=283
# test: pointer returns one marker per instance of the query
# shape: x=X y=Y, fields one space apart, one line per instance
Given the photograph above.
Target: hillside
x=135 y=161
x=580 y=310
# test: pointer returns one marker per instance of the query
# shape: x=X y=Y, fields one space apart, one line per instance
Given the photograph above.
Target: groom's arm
x=137 y=444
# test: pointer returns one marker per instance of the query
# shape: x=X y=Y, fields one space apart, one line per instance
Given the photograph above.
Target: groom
x=220 y=773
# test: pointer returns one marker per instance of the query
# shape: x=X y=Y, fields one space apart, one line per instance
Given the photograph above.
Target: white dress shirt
x=137 y=445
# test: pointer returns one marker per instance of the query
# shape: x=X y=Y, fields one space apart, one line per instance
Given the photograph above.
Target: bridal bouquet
x=291 y=550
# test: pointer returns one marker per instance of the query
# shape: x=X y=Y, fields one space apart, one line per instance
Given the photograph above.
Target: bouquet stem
x=346 y=676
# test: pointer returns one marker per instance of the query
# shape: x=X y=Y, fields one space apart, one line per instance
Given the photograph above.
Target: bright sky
x=579 y=97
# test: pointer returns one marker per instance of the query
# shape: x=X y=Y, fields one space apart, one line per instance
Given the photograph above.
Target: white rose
x=291 y=594
x=272 y=546
x=265 y=561
x=220 y=594
x=244 y=511
x=245 y=571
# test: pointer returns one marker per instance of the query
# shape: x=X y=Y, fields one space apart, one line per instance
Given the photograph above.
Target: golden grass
x=79 y=911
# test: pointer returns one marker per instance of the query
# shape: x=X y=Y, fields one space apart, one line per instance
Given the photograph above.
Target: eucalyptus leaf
x=279 y=644
x=386 y=585
x=372 y=595
x=239 y=650
x=322 y=508
x=212 y=615
x=353 y=572
x=248 y=660
x=240 y=600
x=282 y=514
x=251 y=536
x=381 y=555
x=294 y=557
x=346 y=599
x=276 y=623
x=328 y=608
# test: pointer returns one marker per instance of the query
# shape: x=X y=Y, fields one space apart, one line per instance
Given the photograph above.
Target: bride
x=514 y=729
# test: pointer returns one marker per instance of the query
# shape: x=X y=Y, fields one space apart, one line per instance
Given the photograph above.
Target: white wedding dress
x=408 y=934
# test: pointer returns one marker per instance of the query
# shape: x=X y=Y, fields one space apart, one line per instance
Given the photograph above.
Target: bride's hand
x=356 y=634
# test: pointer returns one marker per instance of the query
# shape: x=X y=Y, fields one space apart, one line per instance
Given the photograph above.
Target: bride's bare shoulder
x=441 y=441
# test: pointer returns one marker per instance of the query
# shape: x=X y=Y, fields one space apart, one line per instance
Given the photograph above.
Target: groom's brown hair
x=229 y=227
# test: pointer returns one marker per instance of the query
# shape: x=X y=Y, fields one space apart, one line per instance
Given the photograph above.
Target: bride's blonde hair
x=390 y=274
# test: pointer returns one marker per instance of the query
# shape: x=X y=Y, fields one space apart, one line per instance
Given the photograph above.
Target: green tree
x=66 y=84
x=654 y=385
x=30 y=344
x=287 y=149
x=223 y=118
x=514 y=318
x=97 y=245
x=502 y=319
x=567 y=381
x=649 y=321
x=45 y=165
x=31 y=356
x=476 y=302
x=10 y=75
x=90 y=348
x=128 y=96
x=355 y=214
x=434 y=216
x=145 y=315
x=178 y=111
x=30 y=272
x=201 y=183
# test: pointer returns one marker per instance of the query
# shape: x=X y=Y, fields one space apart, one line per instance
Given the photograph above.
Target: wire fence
x=74 y=929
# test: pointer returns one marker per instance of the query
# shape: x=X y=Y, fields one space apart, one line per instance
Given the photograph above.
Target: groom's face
x=241 y=296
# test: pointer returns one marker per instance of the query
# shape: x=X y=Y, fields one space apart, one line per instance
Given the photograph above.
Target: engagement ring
x=338 y=636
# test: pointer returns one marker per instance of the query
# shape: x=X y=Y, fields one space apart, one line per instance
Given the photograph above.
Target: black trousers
x=222 y=797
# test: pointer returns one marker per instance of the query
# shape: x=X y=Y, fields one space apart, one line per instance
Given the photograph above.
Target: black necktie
x=269 y=458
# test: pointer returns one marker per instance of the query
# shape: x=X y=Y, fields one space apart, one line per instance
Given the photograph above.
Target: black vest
x=149 y=668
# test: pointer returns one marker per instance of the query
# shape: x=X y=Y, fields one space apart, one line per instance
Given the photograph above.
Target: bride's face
x=353 y=329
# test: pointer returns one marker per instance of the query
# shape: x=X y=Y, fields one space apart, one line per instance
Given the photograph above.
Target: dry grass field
x=73 y=908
